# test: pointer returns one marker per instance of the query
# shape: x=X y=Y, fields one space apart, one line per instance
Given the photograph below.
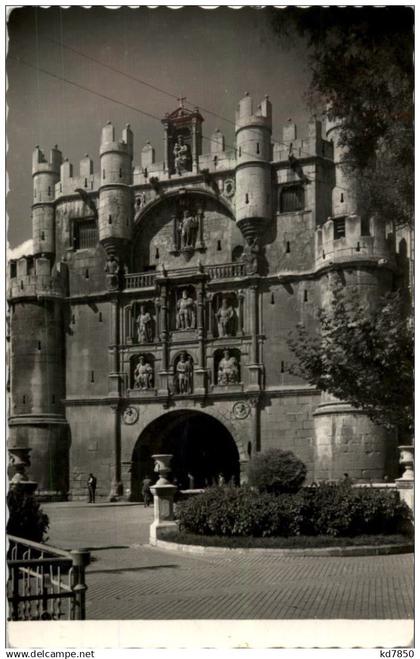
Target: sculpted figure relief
x=228 y=371
x=112 y=266
x=189 y=229
x=251 y=256
x=181 y=156
x=183 y=375
x=143 y=375
x=144 y=324
x=225 y=317
x=185 y=317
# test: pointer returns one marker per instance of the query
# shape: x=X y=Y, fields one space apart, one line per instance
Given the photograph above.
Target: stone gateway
x=154 y=313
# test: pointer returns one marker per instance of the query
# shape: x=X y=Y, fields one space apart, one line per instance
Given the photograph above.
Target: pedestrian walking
x=147 y=495
x=91 y=488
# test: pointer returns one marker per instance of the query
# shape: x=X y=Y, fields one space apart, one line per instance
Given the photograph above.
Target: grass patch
x=293 y=542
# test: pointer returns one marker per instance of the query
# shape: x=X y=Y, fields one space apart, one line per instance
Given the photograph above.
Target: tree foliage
x=362 y=70
x=26 y=518
x=362 y=356
x=276 y=471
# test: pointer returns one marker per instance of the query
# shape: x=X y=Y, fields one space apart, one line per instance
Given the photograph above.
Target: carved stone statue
x=143 y=375
x=251 y=256
x=181 y=156
x=144 y=323
x=185 y=317
x=112 y=266
x=139 y=204
x=183 y=375
x=225 y=317
x=189 y=229
x=228 y=371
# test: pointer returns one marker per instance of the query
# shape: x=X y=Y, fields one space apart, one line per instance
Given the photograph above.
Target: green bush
x=276 y=471
x=333 y=510
x=26 y=519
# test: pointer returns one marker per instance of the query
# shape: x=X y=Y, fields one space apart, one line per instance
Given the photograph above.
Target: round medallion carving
x=130 y=415
x=229 y=187
x=241 y=410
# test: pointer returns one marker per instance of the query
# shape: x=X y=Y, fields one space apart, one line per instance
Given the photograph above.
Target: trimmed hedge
x=334 y=510
x=276 y=471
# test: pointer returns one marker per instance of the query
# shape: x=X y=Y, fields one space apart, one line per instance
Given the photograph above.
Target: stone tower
x=36 y=293
x=253 y=169
x=115 y=197
x=359 y=259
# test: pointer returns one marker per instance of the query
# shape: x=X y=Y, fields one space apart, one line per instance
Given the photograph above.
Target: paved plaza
x=129 y=580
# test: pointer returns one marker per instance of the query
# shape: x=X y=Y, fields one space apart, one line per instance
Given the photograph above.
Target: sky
x=211 y=57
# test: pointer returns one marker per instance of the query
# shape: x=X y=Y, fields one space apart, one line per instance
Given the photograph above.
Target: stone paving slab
x=129 y=580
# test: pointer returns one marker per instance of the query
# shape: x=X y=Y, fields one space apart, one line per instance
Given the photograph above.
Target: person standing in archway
x=91 y=488
x=146 y=492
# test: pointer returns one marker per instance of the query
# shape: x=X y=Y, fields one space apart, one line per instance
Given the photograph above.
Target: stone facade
x=144 y=279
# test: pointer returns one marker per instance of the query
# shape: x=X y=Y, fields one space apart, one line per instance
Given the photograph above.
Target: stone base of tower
x=49 y=444
x=347 y=442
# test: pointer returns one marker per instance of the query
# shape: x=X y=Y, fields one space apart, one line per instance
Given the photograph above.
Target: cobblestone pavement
x=129 y=580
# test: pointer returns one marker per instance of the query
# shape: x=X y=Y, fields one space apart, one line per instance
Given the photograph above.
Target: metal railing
x=45 y=583
x=222 y=271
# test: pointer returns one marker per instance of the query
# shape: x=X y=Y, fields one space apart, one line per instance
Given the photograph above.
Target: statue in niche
x=139 y=204
x=228 y=371
x=251 y=256
x=225 y=317
x=144 y=323
x=143 y=375
x=112 y=265
x=181 y=155
x=183 y=374
x=188 y=229
x=185 y=317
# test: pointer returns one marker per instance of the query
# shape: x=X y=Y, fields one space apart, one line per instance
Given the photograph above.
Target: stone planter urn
x=163 y=497
x=20 y=460
x=407 y=461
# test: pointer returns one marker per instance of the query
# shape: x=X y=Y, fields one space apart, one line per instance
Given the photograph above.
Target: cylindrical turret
x=253 y=169
x=344 y=197
x=115 y=207
x=45 y=174
x=37 y=376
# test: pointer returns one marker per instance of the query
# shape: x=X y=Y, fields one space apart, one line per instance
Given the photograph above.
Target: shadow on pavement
x=132 y=569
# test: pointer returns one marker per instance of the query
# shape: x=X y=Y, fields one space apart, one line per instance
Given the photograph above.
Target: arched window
x=292 y=198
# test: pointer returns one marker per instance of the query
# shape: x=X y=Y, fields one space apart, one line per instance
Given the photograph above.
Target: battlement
x=35 y=277
x=245 y=116
x=40 y=164
x=342 y=239
x=311 y=145
x=110 y=144
x=87 y=180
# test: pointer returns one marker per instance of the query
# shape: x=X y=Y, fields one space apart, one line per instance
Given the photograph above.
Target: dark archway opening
x=201 y=446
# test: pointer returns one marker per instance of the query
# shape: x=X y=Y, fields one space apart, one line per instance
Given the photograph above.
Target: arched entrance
x=201 y=446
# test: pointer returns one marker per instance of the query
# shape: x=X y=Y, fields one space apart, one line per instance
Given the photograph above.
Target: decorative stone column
x=405 y=484
x=116 y=484
x=163 y=495
x=163 y=331
x=200 y=371
x=254 y=367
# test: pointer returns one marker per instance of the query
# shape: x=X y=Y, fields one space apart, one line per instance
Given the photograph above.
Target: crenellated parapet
x=342 y=239
x=86 y=179
x=312 y=144
x=34 y=277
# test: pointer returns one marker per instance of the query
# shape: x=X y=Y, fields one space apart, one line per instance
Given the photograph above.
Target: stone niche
x=183 y=312
x=142 y=374
x=183 y=374
x=225 y=315
x=227 y=369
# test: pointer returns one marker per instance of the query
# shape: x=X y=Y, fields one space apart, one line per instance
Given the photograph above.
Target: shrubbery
x=335 y=510
x=276 y=471
x=26 y=519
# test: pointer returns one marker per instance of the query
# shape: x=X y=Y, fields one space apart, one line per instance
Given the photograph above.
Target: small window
x=100 y=317
x=39 y=345
x=103 y=173
x=86 y=182
x=292 y=198
x=73 y=320
x=92 y=376
x=282 y=367
x=61 y=187
x=342 y=197
x=13 y=270
x=35 y=194
x=53 y=399
x=339 y=228
x=157 y=253
x=109 y=219
x=120 y=172
x=272 y=298
x=287 y=247
x=87 y=273
x=240 y=151
x=219 y=246
x=24 y=399
x=215 y=161
x=49 y=191
x=42 y=235
x=246 y=198
x=305 y=295
x=258 y=147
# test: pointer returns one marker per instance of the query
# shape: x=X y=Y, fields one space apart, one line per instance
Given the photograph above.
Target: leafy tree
x=362 y=70
x=26 y=519
x=276 y=471
x=362 y=356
